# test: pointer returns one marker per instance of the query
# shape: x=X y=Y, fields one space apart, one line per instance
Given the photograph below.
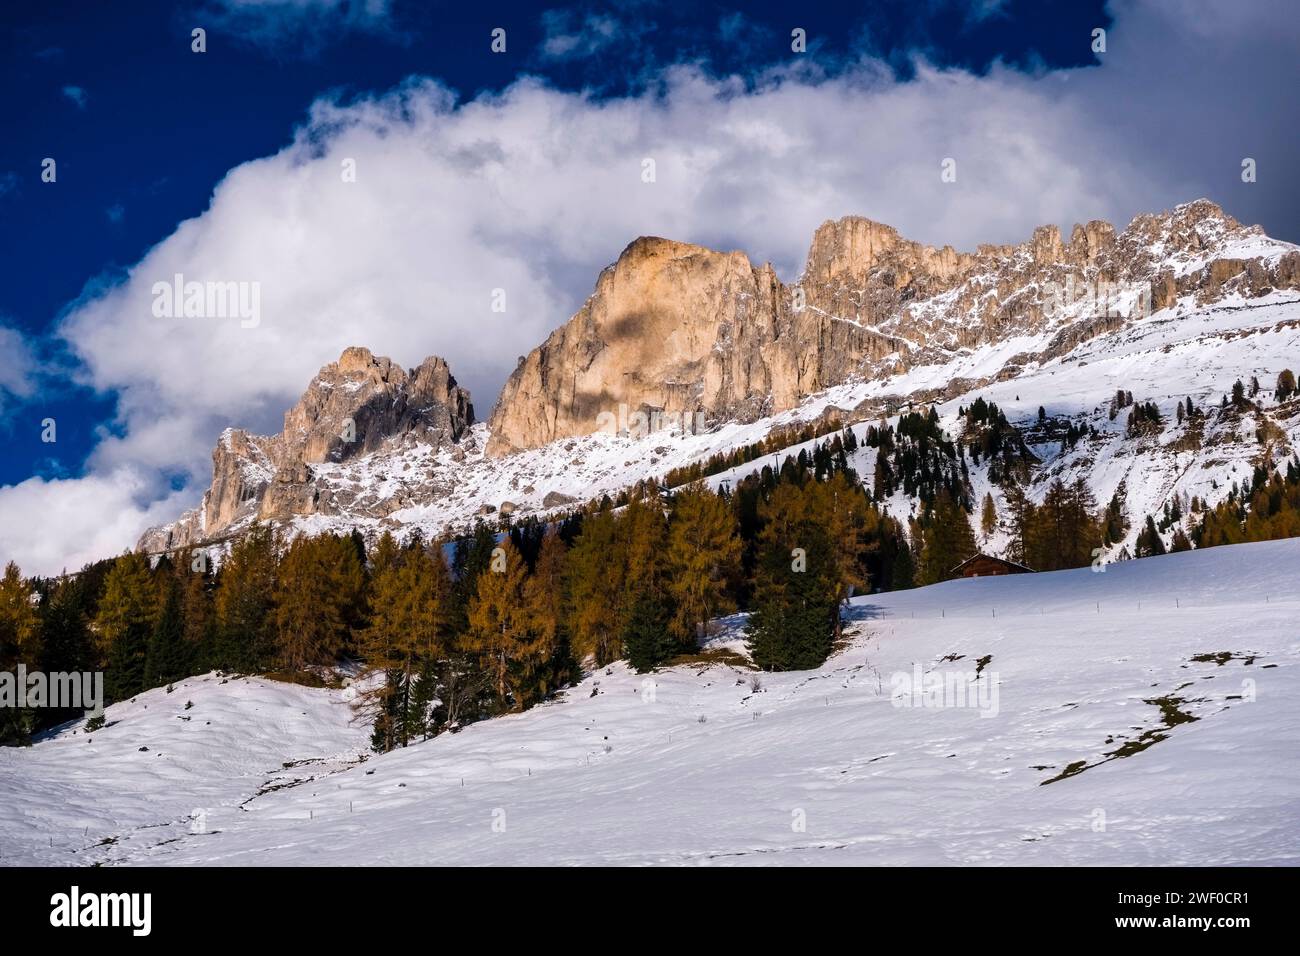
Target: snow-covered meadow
x=1085 y=754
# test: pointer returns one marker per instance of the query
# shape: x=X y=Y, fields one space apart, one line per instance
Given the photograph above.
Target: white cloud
x=569 y=35
x=76 y=95
x=18 y=366
x=47 y=526
x=301 y=26
x=535 y=190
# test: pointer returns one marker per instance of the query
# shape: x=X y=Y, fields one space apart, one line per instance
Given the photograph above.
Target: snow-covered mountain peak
x=1179 y=303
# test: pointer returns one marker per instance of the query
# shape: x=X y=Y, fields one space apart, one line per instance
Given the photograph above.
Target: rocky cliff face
x=683 y=330
x=355 y=407
x=677 y=328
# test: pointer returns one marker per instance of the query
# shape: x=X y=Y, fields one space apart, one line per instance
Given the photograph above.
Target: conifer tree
x=903 y=571
x=647 y=640
x=318 y=600
x=988 y=515
x=840 y=508
x=65 y=629
x=1020 y=513
x=1114 y=522
x=552 y=667
x=1148 y=542
x=20 y=643
x=595 y=576
x=20 y=631
x=410 y=629
x=1286 y=386
x=703 y=549
x=1180 y=541
x=244 y=602
x=167 y=660
x=505 y=631
x=792 y=625
x=1063 y=529
x=419 y=717
x=946 y=539
x=643 y=539
x=472 y=557
x=385 y=554
x=198 y=614
x=124 y=622
x=383 y=646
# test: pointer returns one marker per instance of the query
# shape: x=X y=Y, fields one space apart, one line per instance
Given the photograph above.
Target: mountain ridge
x=701 y=338
x=869 y=301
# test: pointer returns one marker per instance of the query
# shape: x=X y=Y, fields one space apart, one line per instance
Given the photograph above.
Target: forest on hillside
x=467 y=627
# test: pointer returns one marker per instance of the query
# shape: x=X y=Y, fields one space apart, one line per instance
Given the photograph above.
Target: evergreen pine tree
x=1148 y=542
x=67 y=644
x=903 y=571
x=473 y=556
x=647 y=640
x=792 y=625
x=124 y=623
x=166 y=659
x=946 y=539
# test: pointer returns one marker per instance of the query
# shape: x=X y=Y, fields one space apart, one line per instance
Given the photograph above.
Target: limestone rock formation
x=354 y=407
x=697 y=336
x=678 y=329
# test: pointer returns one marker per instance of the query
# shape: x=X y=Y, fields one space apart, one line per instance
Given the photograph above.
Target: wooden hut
x=985 y=565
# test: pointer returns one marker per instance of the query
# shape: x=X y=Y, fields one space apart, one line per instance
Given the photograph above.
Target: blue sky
x=519 y=170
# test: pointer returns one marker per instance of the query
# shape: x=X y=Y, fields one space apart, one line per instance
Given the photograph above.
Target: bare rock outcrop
x=355 y=407
x=696 y=335
x=677 y=329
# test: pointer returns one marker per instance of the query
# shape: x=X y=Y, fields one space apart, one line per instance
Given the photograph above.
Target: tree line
x=459 y=630
x=500 y=618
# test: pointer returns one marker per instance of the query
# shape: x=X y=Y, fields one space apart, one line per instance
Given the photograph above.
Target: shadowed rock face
x=382 y=402
x=683 y=329
x=354 y=407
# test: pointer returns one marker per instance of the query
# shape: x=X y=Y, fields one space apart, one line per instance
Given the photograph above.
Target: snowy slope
x=76 y=799
x=695 y=765
x=1179 y=352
